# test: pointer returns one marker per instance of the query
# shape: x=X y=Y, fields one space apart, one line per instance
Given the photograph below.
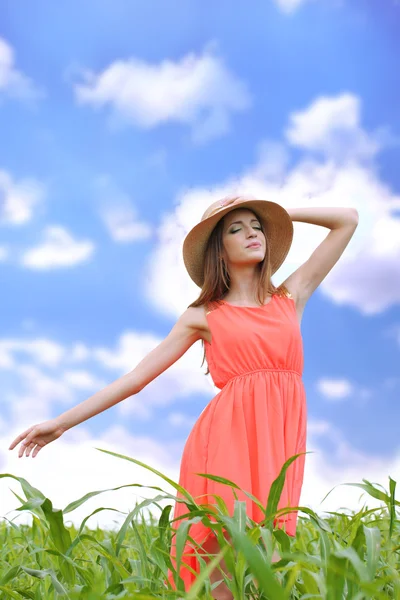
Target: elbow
x=134 y=385
x=353 y=215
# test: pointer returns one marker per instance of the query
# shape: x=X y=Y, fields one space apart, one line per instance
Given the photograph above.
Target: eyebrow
x=233 y=222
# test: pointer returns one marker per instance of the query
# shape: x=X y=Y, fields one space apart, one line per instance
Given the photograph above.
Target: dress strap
x=283 y=289
x=211 y=306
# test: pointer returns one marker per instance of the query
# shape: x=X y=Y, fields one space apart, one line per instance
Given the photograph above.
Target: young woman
x=250 y=331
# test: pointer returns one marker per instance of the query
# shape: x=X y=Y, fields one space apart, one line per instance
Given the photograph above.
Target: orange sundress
x=256 y=421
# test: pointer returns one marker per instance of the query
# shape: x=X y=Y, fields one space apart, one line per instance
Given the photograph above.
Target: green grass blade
x=172 y=483
x=373 y=544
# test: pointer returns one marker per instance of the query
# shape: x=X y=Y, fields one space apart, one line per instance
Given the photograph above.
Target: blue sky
x=120 y=122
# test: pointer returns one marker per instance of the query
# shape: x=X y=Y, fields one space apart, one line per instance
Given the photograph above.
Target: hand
x=37 y=436
x=231 y=200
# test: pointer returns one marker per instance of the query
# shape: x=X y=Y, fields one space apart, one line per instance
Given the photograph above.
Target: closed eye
x=254 y=227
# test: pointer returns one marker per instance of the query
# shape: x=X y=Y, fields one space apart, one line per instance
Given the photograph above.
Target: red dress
x=256 y=421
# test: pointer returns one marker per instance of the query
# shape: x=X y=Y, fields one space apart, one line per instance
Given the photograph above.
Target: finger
x=31 y=447
x=36 y=450
x=24 y=448
x=20 y=437
x=21 y=450
x=29 y=439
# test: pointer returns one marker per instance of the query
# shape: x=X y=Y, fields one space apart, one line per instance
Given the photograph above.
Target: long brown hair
x=216 y=277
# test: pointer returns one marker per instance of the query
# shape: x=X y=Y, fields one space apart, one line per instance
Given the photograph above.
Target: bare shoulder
x=194 y=317
x=289 y=288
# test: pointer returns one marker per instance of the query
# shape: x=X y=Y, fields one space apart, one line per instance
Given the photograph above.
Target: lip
x=254 y=245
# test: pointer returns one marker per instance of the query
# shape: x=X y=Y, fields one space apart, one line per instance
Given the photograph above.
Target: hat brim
x=278 y=227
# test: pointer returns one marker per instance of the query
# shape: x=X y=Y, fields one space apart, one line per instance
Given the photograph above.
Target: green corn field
x=352 y=556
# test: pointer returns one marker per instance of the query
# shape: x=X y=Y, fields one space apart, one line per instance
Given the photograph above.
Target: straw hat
x=277 y=224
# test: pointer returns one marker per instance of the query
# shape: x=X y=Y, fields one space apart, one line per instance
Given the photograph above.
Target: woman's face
x=242 y=228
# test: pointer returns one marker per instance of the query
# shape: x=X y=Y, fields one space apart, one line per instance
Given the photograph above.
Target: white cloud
x=370 y=280
x=290 y=6
x=36 y=392
x=335 y=389
x=198 y=91
x=119 y=214
x=340 y=464
x=34 y=395
x=123 y=225
x=81 y=379
x=58 y=249
x=12 y=81
x=79 y=352
x=179 y=419
x=19 y=200
x=41 y=350
x=41 y=376
x=367 y=276
x=332 y=126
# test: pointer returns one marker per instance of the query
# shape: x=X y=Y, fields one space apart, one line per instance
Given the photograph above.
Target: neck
x=243 y=284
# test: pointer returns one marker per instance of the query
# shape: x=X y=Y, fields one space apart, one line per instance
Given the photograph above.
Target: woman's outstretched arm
x=183 y=334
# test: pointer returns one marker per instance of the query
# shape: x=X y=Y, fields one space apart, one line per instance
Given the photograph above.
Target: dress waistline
x=259 y=370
